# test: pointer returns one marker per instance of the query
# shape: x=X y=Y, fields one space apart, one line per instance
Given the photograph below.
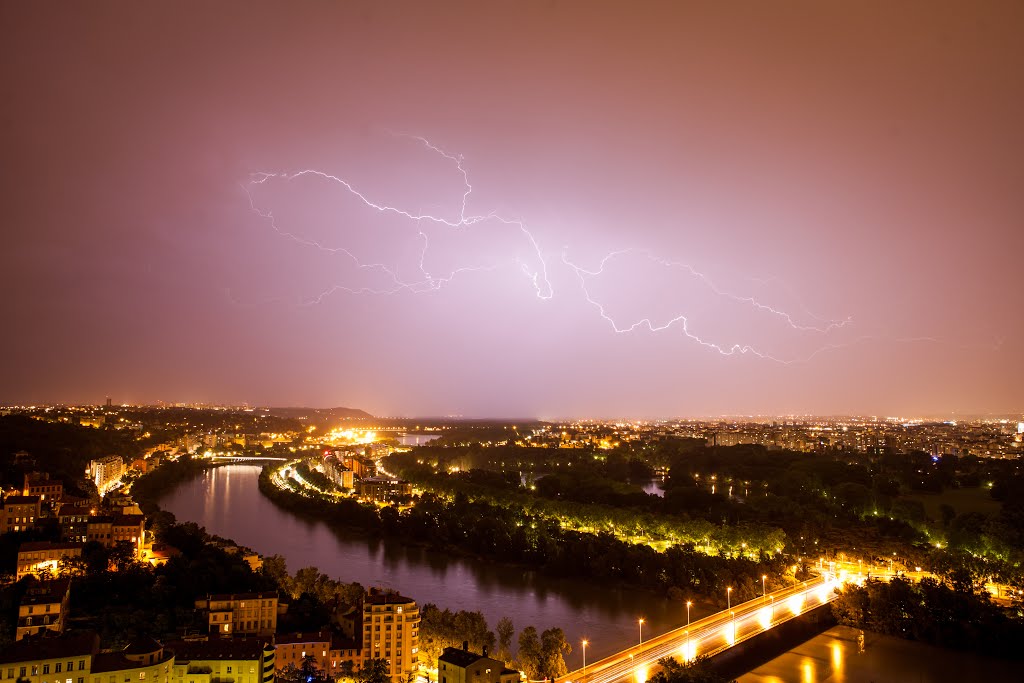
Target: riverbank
x=228 y=503
x=511 y=534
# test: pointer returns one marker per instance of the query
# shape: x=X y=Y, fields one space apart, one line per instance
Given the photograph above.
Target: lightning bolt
x=539 y=276
x=539 y=279
x=707 y=282
x=682 y=321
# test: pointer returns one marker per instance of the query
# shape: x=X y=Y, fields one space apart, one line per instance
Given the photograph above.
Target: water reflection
x=834 y=656
x=228 y=503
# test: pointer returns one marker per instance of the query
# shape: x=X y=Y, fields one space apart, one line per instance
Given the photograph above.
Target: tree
x=310 y=670
x=275 y=568
x=693 y=671
x=123 y=555
x=506 y=631
x=374 y=671
x=552 y=645
x=530 y=654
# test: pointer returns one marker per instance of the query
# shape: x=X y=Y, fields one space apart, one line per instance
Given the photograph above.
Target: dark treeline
x=123 y=599
x=510 y=534
x=723 y=537
x=162 y=480
x=949 y=615
x=62 y=450
x=826 y=504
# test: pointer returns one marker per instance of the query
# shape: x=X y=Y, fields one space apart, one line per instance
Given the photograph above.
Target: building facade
x=462 y=666
x=105 y=471
x=43 y=607
x=40 y=557
x=223 y=660
x=390 y=628
x=19 y=513
x=240 y=614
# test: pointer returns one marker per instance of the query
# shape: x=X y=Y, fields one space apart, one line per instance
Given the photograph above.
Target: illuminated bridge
x=245 y=458
x=711 y=635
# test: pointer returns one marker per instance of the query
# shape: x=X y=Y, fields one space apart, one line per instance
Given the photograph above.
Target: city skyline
x=554 y=211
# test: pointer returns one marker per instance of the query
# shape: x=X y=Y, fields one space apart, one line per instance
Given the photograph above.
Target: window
x=46 y=668
x=81 y=665
x=229 y=668
x=142 y=675
x=56 y=668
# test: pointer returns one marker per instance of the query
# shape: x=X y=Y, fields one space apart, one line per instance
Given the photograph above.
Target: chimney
x=465 y=646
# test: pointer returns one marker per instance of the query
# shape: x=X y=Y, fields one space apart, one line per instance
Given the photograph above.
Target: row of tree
x=511 y=534
x=952 y=615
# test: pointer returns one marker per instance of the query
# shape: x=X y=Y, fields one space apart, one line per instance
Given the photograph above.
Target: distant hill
x=320 y=414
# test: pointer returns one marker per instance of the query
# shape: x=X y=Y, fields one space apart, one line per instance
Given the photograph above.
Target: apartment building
x=240 y=613
x=43 y=607
x=462 y=666
x=19 y=513
x=391 y=632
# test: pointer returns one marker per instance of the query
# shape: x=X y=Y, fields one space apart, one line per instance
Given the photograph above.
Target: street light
x=688 y=604
x=584 y=677
x=641 y=623
x=728 y=597
x=763 y=591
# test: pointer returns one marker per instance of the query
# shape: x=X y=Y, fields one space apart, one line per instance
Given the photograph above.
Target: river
x=227 y=501
x=835 y=657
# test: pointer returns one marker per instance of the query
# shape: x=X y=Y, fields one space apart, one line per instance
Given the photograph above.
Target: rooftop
x=33 y=546
x=218 y=648
x=47 y=646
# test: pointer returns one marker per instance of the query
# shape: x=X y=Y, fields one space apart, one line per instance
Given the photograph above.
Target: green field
x=961 y=500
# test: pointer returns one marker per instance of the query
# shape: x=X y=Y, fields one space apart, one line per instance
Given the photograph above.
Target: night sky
x=676 y=209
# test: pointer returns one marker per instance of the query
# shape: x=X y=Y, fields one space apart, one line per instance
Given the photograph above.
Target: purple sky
x=727 y=207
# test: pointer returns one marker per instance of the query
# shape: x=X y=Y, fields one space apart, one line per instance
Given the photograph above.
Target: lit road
x=710 y=635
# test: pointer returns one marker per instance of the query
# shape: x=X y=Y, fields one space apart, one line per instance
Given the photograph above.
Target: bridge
x=710 y=635
x=245 y=458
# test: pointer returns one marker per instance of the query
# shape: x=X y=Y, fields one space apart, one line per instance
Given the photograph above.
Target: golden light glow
x=796 y=604
x=350 y=436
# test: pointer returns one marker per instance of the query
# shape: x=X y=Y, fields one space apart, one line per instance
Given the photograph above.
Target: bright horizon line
x=1008 y=415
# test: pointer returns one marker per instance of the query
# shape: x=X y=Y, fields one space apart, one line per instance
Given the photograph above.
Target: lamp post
x=728 y=597
x=688 y=605
x=764 y=592
x=584 y=661
x=641 y=624
x=773 y=609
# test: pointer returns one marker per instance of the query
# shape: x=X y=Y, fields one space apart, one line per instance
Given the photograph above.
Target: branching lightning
x=538 y=277
x=682 y=321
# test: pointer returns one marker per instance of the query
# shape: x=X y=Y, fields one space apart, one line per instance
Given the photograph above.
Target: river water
x=227 y=501
x=835 y=657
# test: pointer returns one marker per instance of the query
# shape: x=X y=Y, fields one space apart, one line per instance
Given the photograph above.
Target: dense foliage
x=934 y=612
x=512 y=534
x=63 y=450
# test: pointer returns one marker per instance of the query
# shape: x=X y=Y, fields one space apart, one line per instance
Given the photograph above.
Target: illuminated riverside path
x=711 y=635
